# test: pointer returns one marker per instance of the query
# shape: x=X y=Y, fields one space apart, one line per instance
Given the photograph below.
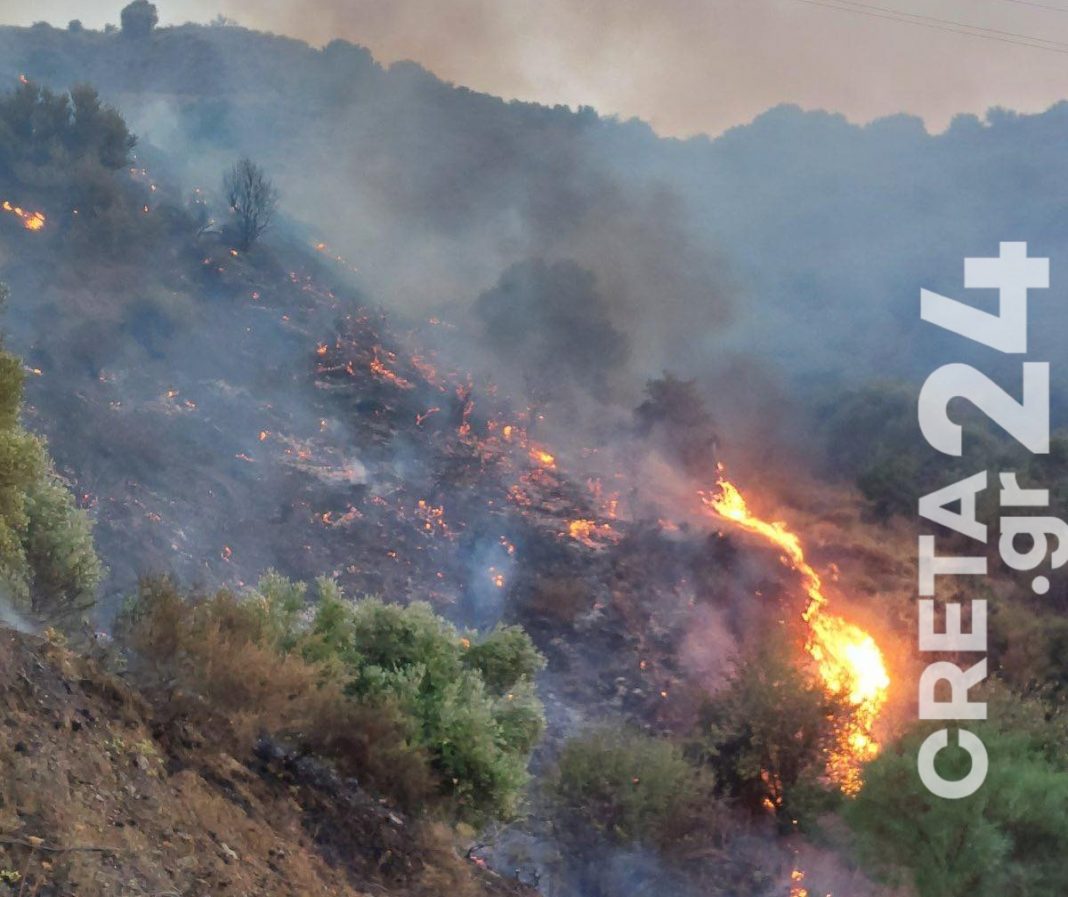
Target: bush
x=504 y=657
x=478 y=734
x=768 y=733
x=1008 y=839
x=48 y=566
x=227 y=650
x=393 y=694
x=633 y=789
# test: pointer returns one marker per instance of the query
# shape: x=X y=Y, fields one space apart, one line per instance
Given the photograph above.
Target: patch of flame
x=33 y=221
x=847 y=658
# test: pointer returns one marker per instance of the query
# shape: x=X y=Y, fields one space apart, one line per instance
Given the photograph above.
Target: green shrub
x=1009 y=839
x=768 y=732
x=504 y=657
x=48 y=566
x=632 y=788
x=478 y=734
x=262 y=653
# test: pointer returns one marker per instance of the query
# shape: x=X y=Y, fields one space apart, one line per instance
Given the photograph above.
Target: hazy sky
x=683 y=65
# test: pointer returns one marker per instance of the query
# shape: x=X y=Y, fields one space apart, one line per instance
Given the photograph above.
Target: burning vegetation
x=221 y=412
x=32 y=221
x=847 y=659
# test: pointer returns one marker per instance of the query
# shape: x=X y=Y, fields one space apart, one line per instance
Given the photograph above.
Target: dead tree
x=252 y=198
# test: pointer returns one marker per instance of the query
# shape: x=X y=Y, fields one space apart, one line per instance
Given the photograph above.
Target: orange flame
x=33 y=221
x=847 y=658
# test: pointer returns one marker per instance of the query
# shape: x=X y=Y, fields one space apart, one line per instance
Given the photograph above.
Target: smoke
x=12 y=618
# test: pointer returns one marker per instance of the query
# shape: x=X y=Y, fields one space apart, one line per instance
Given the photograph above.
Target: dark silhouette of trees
x=252 y=198
x=139 y=18
x=675 y=414
x=61 y=131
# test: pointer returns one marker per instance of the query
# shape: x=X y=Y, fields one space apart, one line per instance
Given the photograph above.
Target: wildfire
x=797 y=888
x=543 y=458
x=847 y=658
x=34 y=221
x=591 y=533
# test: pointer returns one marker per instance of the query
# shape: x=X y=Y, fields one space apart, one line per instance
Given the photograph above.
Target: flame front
x=34 y=221
x=847 y=658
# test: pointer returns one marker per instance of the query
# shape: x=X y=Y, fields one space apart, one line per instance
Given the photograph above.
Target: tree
x=1008 y=839
x=768 y=732
x=139 y=18
x=551 y=316
x=675 y=414
x=252 y=198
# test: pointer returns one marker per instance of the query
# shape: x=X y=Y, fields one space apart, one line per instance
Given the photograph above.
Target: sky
x=685 y=66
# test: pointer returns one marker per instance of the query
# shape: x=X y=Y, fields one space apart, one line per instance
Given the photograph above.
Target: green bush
x=1009 y=839
x=403 y=663
x=633 y=789
x=768 y=732
x=478 y=733
x=48 y=566
x=504 y=657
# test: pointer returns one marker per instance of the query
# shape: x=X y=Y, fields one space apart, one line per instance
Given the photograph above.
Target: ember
x=33 y=221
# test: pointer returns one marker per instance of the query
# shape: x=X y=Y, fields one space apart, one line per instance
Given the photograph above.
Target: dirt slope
x=102 y=794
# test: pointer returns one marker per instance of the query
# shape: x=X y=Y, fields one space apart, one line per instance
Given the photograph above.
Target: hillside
x=104 y=793
x=715 y=255
x=534 y=495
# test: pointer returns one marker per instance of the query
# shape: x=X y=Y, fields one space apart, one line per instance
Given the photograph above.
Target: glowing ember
x=797 y=888
x=383 y=372
x=847 y=658
x=34 y=221
x=591 y=533
x=543 y=458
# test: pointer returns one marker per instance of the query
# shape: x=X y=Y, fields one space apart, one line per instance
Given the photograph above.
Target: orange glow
x=543 y=458
x=32 y=221
x=847 y=658
x=797 y=889
x=382 y=371
x=591 y=533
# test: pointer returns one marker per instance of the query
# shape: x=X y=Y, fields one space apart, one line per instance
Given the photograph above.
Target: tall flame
x=30 y=220
x=847 y=658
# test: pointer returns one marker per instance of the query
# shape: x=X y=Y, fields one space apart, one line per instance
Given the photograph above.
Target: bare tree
x=252 y=198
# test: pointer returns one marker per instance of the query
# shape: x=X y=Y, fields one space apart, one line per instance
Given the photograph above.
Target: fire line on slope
x=848 y=660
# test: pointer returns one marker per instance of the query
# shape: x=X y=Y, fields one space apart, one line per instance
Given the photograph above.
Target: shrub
x=387 y=692
x=1008 y=839
x=768 y=732
x=226 y=649
x=47 y=562
x=504 y=657
x=632 y=788
x=477 y=734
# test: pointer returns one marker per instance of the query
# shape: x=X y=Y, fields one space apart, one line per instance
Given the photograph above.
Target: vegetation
x=633 y=788
x=767 y=732
x=48 y=567
x=253 y=199
x=1009 y=839
x=394 y=694
x=551 y=315
x=46 y=135
x=675 y=413
x=139 y=19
